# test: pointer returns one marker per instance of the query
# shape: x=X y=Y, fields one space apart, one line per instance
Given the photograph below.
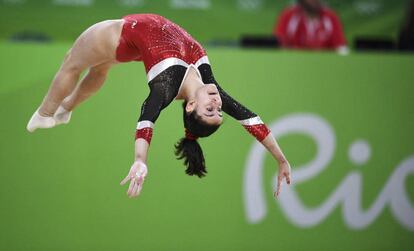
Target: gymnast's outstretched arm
x=284 y=167
x=252 y=123
x=150 y=111
x=255 y=126
x=163 y=90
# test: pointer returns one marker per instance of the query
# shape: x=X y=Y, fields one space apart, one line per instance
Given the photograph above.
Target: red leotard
x=158 y=42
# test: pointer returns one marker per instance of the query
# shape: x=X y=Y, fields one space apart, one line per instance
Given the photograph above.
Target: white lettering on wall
x=190 y=4
x=250 y=4
x=347 y=193
x=73 y=2
x=131 y=3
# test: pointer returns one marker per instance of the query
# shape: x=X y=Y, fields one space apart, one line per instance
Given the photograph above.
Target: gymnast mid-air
x=177 y=67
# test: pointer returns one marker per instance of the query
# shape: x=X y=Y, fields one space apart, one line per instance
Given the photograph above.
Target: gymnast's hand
x=284 y=172
x=136 y=175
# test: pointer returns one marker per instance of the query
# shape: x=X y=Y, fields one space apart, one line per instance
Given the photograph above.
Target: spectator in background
x=310 y=25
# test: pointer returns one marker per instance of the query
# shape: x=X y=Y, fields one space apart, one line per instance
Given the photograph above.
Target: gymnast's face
x=207 y=104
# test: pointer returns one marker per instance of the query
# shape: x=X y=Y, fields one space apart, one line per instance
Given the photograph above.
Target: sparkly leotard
x=159 y=43
x=167 y=50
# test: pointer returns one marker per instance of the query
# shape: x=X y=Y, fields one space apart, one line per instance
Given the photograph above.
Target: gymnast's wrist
x=139 y=158
x=282 y=160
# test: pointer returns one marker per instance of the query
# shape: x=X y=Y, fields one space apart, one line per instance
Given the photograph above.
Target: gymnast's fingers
x=279 y=184
x=131 y=186
x=140 y=183
x=133 y=190
x=136 y=188
x=125 y=180
x=139 y=189
x=288 y=178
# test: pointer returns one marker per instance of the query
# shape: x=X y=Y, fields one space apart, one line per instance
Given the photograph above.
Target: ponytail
x=188 y=148
x=191 y=152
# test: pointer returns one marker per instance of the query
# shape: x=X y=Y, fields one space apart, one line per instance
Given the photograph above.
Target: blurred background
x=332 y=79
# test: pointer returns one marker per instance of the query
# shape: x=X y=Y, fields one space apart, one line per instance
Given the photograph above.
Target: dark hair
x=188 y=148
x=311 y=9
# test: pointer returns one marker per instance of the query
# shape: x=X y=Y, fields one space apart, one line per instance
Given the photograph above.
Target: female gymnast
x=177 y=67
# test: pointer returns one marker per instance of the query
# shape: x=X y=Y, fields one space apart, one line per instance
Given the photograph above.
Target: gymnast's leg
x=89 y=85
x=94 y=47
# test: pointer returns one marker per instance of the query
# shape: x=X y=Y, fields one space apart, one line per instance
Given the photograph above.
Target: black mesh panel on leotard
x=230 y=105
x=163 y=89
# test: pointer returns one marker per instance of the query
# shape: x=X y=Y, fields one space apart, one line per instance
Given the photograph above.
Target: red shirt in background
x=295 y=30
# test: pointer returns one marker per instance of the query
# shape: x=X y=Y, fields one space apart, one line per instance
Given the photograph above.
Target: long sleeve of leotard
x=163 y=90
x=250 y=121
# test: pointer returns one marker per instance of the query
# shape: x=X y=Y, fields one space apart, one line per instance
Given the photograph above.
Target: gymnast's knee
x=98 y=71
x=70 y=66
